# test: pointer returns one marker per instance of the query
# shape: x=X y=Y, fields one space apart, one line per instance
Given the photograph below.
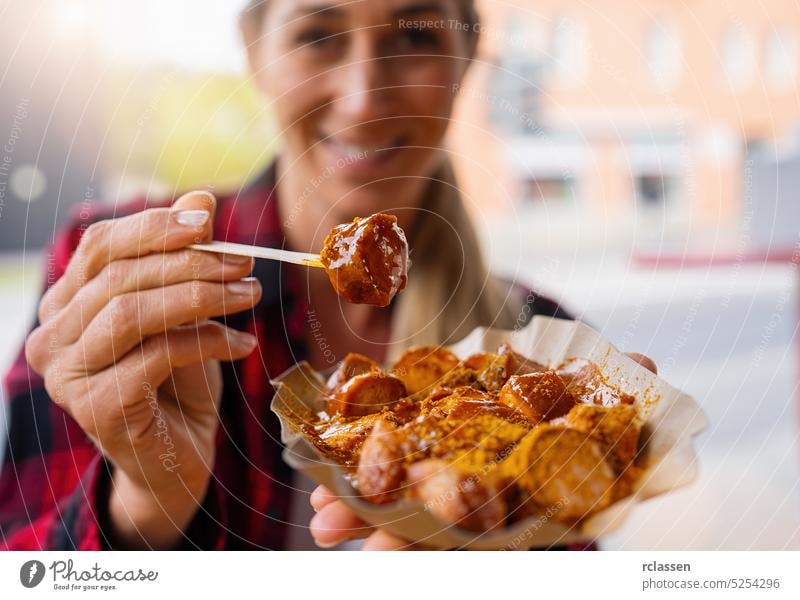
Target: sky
x=173 y=31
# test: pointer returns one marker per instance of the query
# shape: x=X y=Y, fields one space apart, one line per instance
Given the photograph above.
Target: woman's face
x=362 y=92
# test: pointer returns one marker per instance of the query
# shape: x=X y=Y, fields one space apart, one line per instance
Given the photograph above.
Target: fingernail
x=243 y=339
x=234 y=259
x=192 y=218
x=243 y=287
x=314 y=524
x=205 y=193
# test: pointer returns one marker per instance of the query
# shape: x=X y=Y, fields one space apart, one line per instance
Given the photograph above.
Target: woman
x=138 y=422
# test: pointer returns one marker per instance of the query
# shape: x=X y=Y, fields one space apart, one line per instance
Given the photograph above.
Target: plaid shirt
x=54 y=481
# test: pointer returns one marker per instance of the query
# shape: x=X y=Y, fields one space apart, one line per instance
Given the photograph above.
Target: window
x=28 y=183
x=655 y=190
x=516 y=81
x=569 y=51
x=514 y=102
x=548 y=190
x=664 y=55
x=781 y=60
x=738 y=57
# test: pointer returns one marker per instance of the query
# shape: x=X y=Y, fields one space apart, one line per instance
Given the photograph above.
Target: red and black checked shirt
x=54 y=481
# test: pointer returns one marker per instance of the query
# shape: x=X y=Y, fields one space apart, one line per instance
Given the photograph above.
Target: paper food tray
x=670 y=421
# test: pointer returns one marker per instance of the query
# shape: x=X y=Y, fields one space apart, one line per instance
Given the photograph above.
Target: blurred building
x=49 y=101
x=614 y=123
x=639 y=119
x=105 y=101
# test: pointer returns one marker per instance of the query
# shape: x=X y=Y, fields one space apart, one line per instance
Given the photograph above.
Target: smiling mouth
x=365 y=150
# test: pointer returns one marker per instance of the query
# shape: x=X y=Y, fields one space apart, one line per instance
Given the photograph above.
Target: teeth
x=358 y=149
x=354 y=150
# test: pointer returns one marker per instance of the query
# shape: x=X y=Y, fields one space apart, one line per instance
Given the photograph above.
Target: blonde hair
x=253 y=13
x=450 y=290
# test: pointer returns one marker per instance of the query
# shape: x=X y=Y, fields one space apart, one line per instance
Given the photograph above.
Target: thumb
x=645 y=361
x=199 y=200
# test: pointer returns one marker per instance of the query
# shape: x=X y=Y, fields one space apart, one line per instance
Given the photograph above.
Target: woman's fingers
x=645 y=361
x=335 y=523
x=139 y=274
x=151 y=231
x=382 y=540
x=321 y=497
x=198 y=201
x=117 y=393
x=130 y=318
x=188 y=345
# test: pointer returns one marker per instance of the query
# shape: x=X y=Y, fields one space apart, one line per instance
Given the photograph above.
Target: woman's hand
x=334 y=523
x=126 y=348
